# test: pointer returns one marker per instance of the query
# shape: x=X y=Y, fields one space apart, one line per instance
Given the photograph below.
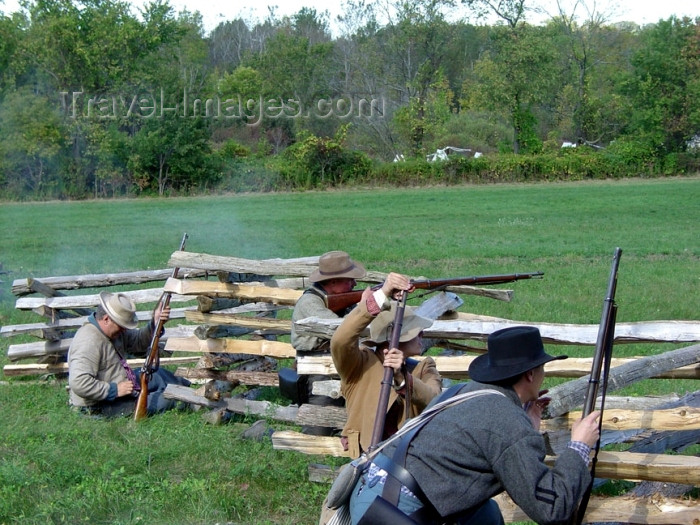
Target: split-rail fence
x=237 y=315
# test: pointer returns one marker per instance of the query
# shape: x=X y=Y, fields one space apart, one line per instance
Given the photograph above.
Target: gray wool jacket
x=94 y=368
x=486 y=445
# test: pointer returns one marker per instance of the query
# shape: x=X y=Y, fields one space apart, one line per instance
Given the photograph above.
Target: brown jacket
x=361 y=372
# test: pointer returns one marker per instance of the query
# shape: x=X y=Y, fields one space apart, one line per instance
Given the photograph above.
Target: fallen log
x=564 y=334
x=306 y=444
x=243 y=378
x=569 y=395
x=26 y=286
x=249 y=292
x=71 y=302
x=611 y=465
x=457 y=367
x=268 y=325
x=33 y=369
x=264 y=409
x=226 y=345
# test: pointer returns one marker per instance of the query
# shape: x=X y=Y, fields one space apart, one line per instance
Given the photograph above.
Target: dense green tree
x=11 y=63
x=229 y=42
x=664 y=84
x=423 y=30
x=512 y=78
x=97 y=100
x=296 y=72
x=171 y=152
x=32 y=139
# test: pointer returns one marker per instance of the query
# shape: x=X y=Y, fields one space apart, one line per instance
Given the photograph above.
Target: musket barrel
x=152 y=361
x=338 y=302
x=605 y=337
x=388 y=377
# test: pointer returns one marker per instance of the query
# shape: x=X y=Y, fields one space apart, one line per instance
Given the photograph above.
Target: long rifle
x=600 y=366
x=340 y=301
x=388 y=379
x=153 y=359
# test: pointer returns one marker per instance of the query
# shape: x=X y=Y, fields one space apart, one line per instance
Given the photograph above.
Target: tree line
x=99 y=101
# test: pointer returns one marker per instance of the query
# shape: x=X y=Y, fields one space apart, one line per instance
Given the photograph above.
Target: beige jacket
x=361 y=372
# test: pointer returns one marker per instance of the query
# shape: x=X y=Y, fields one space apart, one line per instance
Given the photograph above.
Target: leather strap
x=400 y=474
x=395 y=466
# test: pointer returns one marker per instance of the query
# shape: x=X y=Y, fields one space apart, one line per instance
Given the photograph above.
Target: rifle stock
x=600 y=367
x=153 y=358
x=340 y=301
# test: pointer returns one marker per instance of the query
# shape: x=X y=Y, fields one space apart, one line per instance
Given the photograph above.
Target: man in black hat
x=476 y=449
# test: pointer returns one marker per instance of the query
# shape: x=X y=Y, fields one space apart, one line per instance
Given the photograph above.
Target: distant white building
x=443 y=154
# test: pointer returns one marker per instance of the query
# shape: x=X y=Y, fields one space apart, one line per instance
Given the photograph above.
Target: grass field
x=56 y=467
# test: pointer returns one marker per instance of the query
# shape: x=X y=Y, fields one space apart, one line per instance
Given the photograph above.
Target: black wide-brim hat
x=511 y=352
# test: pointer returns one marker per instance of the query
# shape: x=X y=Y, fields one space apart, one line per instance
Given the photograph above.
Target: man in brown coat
x=361 y=366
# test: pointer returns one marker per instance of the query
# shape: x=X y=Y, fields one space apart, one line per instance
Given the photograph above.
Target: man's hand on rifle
x=159 y=312
x=395 y=284
x=586 y=429
x=394 y=358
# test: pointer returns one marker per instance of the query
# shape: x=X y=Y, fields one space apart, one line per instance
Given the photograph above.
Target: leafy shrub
x=232 y=149
x=476 y=131
x=411 y=172
x=250 y=176
x=635 y=154
x=322 y=161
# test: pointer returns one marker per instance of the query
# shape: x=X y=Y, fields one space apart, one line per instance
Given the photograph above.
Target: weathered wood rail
x=246 y=298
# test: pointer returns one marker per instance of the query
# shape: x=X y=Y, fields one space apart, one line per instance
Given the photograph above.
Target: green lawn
x=56 y=467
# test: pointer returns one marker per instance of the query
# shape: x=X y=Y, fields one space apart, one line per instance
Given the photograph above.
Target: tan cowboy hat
x=337 y=265
x=381 y=328
x=120 y=309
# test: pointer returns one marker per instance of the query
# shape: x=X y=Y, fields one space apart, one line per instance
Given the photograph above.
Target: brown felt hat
x=383 y=325
x=336 y=265
x=511 y=352
x=120 y=309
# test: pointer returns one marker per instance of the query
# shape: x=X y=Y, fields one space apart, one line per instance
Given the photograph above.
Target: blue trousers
x=364 y=494
x=156 y=402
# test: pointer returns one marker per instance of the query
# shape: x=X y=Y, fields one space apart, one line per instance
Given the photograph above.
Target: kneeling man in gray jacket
x=473 y=450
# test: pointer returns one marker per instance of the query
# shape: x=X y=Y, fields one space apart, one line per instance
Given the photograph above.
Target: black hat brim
x=481 y=370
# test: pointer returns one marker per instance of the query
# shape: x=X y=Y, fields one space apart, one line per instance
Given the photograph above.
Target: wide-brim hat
x=337 y=265
x=120 y=309
x=381 y=328
x=511 y=352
